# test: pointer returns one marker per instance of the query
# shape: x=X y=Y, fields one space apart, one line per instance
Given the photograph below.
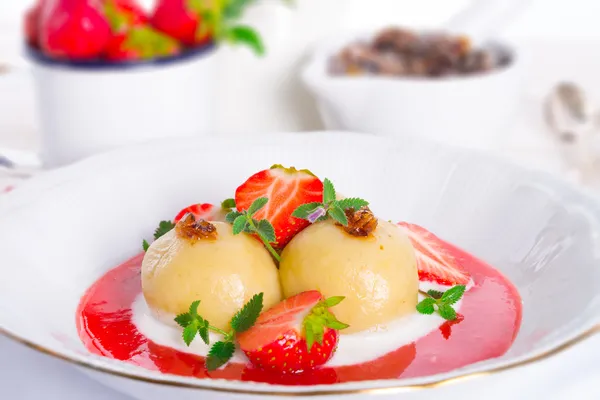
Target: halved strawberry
x=286 y=189
x=206 y=211
x=280 y=339
x=434 y=262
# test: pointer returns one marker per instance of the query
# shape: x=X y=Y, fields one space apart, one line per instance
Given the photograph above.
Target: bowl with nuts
x=399 y=82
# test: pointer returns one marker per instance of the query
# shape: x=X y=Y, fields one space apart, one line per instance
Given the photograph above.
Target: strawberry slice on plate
x=286 y=189
x=281 y=338
x=205 y=211
x=434 y=262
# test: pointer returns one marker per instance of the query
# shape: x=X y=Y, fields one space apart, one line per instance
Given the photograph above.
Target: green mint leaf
x=338 y=214
x=194 y=309
x=436 y=294
x=447 y=312
x=328 y=191
x=203 y=332
x=145 y=245
x=309 y=335
x=228 y=204
x=183 y=320
x=426 y=306
x=232 y=216
x=239 y=224
x=247 y=316
x=304 y=210
x=266 y=231
x=257 y=205
x=189 y=333
x=163 y=228
x=451 y=296
x=334 y=301
x=353 y=202
x=245 y=35
x=219 y=354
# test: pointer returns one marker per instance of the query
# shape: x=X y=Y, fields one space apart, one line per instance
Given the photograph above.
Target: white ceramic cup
x=470 y=111
x=87 y=108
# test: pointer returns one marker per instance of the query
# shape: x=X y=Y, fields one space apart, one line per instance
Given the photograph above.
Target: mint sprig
x=220 y=352
x=441 y=302
x=243 y=221
x=163 y=228
x=330 y=207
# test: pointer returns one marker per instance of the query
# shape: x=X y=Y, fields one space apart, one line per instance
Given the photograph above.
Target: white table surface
x=575 y=374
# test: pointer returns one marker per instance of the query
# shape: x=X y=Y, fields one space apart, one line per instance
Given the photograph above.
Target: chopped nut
x=190 y=229
x=361 y=222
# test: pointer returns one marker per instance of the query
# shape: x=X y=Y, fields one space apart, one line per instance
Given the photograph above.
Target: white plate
x=63 y=230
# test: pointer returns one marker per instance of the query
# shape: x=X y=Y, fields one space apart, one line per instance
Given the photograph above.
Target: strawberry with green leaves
x=286 y=189
x=196 y=22
x=299 y=334
x=132 y=37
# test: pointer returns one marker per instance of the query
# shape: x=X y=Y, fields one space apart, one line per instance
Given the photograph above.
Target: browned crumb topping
x=361 y=222
x=190 y=229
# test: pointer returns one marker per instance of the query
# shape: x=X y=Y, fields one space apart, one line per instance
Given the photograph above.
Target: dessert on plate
x=288 y=282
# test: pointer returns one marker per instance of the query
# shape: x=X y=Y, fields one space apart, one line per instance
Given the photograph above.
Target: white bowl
x=471 y=111
x=63 y=230
x=90 y=107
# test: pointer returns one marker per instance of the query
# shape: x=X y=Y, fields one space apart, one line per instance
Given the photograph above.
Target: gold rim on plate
x=383 y=390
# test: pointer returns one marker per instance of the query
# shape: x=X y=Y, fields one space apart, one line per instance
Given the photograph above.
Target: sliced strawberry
x=286 y=189
x=206 y=211
x=278 y=340
x=434 y=262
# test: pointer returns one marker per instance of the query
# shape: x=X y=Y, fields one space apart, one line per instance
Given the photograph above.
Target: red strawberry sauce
x=489 y=320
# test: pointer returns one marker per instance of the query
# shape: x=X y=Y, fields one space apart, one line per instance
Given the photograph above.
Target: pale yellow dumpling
x=222 y=272
x=377 y=274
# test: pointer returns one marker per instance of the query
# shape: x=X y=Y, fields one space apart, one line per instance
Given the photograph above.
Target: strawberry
x=32 y=24
x=206 y=211
x=133 y=38
x=298 y=334
x=434 y=262
x=182 y=20
x=286 y=189
x=123 y=14
x=74 y=29
x=140 y=43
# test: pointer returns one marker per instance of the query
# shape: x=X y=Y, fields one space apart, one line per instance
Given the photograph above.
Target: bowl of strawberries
x=111 y=73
